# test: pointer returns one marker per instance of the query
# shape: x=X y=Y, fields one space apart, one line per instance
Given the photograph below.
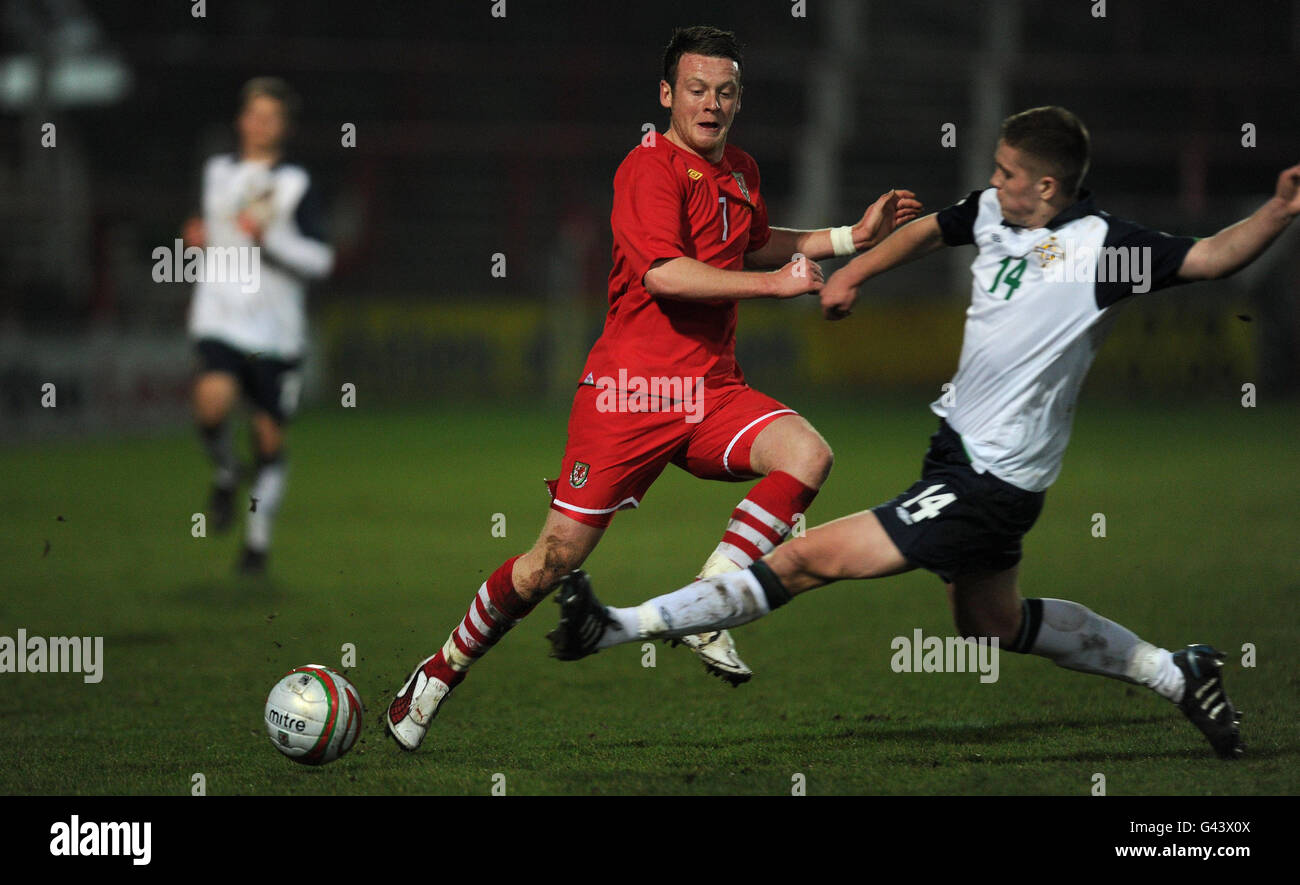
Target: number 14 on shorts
x=929 y=503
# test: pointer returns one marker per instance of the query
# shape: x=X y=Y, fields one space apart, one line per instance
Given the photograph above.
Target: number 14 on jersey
x=929 y=502
x=1011 y=278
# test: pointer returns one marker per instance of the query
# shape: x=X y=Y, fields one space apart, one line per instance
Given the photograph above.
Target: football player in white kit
x=1050 y=269
x=260 y=213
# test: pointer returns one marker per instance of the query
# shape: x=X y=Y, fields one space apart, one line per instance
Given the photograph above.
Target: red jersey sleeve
x=647 y=216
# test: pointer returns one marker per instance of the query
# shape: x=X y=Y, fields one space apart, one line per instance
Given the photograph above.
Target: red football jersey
x=669 y=203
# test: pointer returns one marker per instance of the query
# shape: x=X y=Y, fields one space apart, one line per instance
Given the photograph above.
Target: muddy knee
x=558 y=558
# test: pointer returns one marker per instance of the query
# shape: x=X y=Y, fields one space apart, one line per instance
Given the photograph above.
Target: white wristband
x=842 y=240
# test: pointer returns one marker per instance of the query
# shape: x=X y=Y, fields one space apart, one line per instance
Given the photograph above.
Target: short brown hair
x=273 y=87
x=701 y=40
x=1056 y=138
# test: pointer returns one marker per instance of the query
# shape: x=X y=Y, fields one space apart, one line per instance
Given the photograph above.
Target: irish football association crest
x=740 y=180
x=578 y=476
x=1049 y=251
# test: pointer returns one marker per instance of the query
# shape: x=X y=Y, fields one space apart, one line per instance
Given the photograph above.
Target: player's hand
x=800 y=277
x=838 y=296
x=194 y=232
x=249 y=225
x=892 y=210
x=1288 y=189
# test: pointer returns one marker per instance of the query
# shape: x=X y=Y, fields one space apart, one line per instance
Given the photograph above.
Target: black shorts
x=271 y=385
x=955 y=521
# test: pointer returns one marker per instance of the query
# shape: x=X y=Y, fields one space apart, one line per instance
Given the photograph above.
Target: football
x=313 y=714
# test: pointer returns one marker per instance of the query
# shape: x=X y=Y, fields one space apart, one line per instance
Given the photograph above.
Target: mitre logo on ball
x=313 y=714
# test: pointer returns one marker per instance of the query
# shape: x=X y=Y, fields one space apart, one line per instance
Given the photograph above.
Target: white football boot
x=410 y=713
x=716 y=650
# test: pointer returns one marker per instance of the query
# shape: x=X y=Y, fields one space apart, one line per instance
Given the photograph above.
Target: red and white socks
x=495 y=609
x=762 y=520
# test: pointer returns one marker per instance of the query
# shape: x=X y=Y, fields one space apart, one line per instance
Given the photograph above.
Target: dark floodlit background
x=479 y=135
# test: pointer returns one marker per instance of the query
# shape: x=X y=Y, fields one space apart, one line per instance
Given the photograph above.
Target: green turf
x=387 y=532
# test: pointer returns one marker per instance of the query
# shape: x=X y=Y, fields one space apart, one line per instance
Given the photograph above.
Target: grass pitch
x=387 y=532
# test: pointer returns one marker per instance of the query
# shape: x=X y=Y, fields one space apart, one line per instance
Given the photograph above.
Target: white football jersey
x=1042 y=301
x=267 y=317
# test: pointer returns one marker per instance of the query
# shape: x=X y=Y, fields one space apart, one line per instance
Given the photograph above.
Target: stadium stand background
x=478 y=136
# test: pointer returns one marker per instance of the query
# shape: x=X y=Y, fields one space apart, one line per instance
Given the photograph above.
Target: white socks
x=718 y=563
x=723 y=601
x=1155 y=668
x=1068 y=634
x=1074 y=637
x=265 y=497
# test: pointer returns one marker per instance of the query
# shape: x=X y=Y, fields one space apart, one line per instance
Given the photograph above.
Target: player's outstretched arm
x=1234 y=247
x=908 y=243
x=891 y=210
x=685 y=279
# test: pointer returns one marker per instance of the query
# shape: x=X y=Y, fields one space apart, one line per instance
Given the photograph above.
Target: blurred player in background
x=661 y=385
x=1044 y=293
x=251 y=341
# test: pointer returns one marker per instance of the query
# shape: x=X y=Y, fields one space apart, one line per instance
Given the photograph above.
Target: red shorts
x=613 y=454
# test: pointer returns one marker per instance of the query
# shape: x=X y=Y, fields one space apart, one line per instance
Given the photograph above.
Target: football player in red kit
x=661 y=385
